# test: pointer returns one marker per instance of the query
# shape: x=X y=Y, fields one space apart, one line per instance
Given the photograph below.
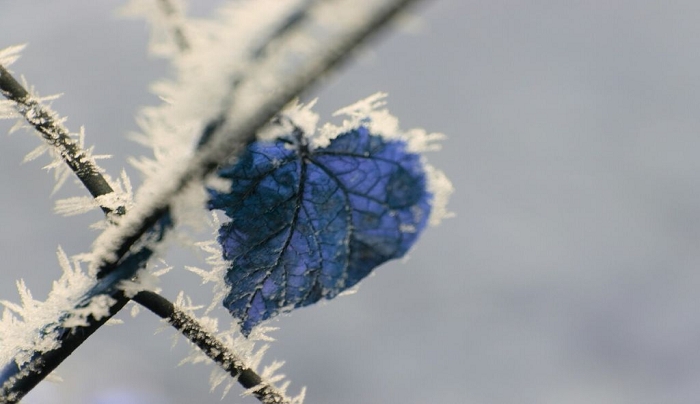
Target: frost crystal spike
x=307 y=223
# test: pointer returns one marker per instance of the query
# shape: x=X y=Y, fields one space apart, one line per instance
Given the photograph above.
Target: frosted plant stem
x=209 y=344
x=17 y=382
x=15 y=387
x=178 y=32
x=48 y=124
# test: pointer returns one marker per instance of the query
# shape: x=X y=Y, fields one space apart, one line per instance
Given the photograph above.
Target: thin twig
x=47 y=123
x=209 y=344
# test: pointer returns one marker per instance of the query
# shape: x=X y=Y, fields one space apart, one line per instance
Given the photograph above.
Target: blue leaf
x=309 y=223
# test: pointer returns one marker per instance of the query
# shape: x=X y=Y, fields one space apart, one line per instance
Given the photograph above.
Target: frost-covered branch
x=173 y=14
x=80 y=306
x=18 y=380
x=52 y=130
x=210 y=345
x=293 y=20
x=315 y=38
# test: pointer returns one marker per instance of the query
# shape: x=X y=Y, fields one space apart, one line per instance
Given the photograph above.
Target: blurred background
x=569 y=273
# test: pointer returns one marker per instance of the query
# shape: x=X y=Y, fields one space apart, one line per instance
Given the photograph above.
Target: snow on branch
x=50 y=125
x=236 y=366
x=167 y=21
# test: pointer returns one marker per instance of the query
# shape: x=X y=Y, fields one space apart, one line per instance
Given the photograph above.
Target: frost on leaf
x=309 y=222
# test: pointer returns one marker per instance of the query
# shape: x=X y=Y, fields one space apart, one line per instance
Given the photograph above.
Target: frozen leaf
x=308 y=223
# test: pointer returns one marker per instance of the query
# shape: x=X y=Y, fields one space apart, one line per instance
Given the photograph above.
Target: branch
x=293 y=20
x=19 y=380
x=210 y=345
x=47 y=123
x=170 y=11
x=292 y=64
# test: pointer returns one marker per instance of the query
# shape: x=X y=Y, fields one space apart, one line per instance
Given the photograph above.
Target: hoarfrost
x=114 y=321
x=217 y=377
x=98 y=308
x=10 y=54
x=216 y=273
x=75 y=205
x=441 y=188
x=34 y=154
x=165 y=18
x=370 y=112
x=268 y=372
x=135 y=309
x=32 y=326
x=54 y=377
x=227 y=388
x=146 y=280
x=8 y=111
x=247 y=353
